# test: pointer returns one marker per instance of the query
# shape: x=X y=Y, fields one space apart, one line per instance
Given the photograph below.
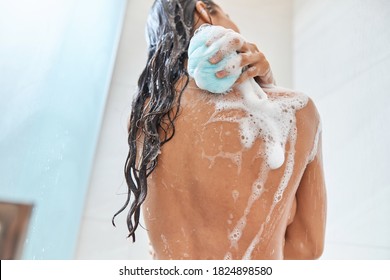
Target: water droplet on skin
x=235 y=195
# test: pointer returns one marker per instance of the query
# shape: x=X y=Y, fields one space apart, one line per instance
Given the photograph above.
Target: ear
x=202 y=12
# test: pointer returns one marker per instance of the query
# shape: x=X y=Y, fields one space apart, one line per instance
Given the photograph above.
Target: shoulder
x=309 y=116
x=307 y=112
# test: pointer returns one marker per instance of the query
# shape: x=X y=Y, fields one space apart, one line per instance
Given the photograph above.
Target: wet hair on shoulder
x=156 y=104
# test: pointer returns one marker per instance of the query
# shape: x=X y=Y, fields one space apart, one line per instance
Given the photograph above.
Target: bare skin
x=198 y=192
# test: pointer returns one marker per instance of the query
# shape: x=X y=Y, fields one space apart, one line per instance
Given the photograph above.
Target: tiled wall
x=342 y=60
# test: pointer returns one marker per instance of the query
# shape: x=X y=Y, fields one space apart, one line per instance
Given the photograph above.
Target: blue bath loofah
x=199 y=54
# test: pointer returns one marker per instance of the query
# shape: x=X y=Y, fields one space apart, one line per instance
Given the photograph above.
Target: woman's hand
x=253 y=60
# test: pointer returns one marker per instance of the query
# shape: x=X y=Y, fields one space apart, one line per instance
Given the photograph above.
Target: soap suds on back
x=269 y=117
x=270 y=120
x=314 y=151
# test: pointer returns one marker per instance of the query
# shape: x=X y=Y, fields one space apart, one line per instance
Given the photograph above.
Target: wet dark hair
x=157 y=102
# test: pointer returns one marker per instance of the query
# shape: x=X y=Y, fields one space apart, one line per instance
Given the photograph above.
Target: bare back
x=211 y=198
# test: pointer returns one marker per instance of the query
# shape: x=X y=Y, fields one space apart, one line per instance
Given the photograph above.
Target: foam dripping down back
x=269 y=119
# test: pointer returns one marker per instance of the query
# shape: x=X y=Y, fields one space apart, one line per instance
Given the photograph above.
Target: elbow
x=304 y=251
x=313 y=252
x=317 y=253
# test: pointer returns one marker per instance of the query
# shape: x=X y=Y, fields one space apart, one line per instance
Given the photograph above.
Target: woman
x=207 y=196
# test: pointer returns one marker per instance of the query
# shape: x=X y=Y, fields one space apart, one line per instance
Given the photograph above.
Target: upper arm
x=305 y=235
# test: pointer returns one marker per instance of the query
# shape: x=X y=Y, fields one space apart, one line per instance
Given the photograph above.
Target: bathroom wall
x=269 y=27
x=342 y=59
x=107 y=190
x=267 y=23
x=56 y=62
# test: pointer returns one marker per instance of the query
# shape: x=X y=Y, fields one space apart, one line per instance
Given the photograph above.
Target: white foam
x=248 y=253
x=152 y=252
x=271 y=120
x=236 y=158
x=167 y=248
x=289 y=168
x=228 y=256
x=257 y=189
x=278 y=193
x=235 y=235
x=314 y=151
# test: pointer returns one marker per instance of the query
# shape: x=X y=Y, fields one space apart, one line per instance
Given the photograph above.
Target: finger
x=248 y=47
x=267 y=78
x=222 y=74
x=217 y=57
x=235 y=42
x=247 y=74
x=225 y=49
x=252 y=58
x=230 y=42
x=258 y=60
x=232 y=67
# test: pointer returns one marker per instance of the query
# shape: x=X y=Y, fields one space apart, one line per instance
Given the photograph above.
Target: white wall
x=98 y=238
x=342 y=60
x=268 y=24
x=269 y=27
